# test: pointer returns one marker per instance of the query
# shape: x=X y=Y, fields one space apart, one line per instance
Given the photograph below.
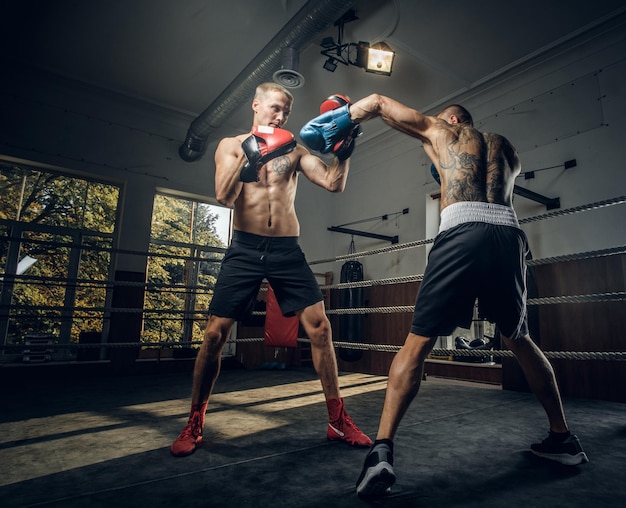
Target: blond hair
x=270 y=86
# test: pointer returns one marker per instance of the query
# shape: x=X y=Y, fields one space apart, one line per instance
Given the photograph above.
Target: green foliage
x=60 y=215
x=182 y=272
x=86 y=213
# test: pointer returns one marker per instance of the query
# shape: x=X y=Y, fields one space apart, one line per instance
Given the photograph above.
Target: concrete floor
x=105 y=443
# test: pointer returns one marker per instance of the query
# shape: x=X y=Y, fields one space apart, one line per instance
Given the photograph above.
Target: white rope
x=385 y=348
x=410 y=245
x=374 y=282
x=571 y=355
x=576 y=209
x=548 y=300
x=390 y=348
x=583 y=255
x=600 y=297
x=533 y=262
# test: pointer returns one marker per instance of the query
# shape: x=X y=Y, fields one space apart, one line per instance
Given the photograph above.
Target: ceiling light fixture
x=376 y=58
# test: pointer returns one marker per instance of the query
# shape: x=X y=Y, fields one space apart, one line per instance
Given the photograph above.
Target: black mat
x=105 y=443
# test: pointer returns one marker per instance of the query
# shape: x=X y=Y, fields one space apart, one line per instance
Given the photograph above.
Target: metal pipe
x=311 y=20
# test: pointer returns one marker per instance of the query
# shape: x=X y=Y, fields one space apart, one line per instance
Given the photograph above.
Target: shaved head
x=462 y=114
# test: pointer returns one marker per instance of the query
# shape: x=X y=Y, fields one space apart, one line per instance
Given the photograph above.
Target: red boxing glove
x=334 y=102
x=263 y=145
x=344 y=148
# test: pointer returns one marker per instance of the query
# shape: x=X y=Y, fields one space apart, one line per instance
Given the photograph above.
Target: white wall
x=63 y=125
x=569 y=106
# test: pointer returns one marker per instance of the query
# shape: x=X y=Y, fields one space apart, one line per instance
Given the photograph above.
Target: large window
x=188 y=241
x=57 y=250
x=56 y=235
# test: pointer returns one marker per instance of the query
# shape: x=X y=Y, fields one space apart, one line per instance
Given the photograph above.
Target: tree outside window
x=188 y=239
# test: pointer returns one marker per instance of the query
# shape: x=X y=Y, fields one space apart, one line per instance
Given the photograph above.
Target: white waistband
x=470 y=211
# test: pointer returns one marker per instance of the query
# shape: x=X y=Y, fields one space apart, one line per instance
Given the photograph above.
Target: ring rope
x=385 y=348
x=502 y=353
x=621 y=249
x=409 y=245
x=390 y=348
x=598 y=297
x=370 y=310
x=382 y=250
x=344 y=285
x=614 y=296
x=73 y=345
x=575 y=209
x=414 y=278
x=374 y=282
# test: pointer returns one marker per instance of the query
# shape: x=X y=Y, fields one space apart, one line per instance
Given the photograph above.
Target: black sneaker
x=377 y=476
x=567 y=451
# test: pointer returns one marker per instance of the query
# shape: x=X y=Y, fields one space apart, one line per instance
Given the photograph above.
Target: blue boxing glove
x=324 y=132
x=435 y=174
x=343 y=148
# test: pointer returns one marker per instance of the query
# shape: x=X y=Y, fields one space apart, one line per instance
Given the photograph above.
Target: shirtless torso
x=473 y=166
x=267 y=207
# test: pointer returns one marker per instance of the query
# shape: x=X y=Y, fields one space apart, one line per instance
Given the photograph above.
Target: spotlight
x=380 y=59
x=377 y=58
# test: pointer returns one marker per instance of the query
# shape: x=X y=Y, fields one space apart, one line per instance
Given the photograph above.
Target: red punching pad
x=280 y=331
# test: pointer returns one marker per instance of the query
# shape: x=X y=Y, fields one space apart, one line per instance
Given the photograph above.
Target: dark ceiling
x=181 y=55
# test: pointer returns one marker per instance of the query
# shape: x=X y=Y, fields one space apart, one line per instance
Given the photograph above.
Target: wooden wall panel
x=381 y=328
x=597 y=326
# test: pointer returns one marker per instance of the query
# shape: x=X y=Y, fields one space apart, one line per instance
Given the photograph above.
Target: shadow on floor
x=105 y=443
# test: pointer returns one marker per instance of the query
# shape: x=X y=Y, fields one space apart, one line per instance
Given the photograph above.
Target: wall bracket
x=339 y=229
x=550 y=203
x=386 y=238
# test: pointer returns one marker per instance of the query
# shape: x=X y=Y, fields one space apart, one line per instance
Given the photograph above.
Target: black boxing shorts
x=251 y=258
x=479 y=253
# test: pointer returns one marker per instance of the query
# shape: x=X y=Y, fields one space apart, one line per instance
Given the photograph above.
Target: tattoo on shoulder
x=490 y=136
x=281 y=165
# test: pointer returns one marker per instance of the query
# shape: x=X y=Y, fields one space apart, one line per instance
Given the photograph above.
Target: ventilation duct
x=311 y=20
x=288 y=75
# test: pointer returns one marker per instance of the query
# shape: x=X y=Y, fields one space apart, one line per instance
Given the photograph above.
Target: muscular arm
x=456 y=149
x=332 y=178
x=229 y=159
x=396 y=115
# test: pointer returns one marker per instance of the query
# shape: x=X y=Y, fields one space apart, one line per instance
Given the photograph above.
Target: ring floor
x=105 y=443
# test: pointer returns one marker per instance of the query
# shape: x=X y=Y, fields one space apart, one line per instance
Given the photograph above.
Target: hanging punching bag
x=351 y=325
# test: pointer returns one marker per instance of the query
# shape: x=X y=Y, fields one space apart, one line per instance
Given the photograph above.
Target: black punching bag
x=351 y=325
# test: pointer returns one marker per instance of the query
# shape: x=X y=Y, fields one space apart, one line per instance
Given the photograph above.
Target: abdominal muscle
x=267 y=207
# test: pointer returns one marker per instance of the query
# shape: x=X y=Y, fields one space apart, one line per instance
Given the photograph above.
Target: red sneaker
x=190 y=437
x=346 y=430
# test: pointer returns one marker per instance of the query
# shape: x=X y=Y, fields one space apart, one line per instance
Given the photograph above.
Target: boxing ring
x=104 y=441
x=377 y=346
x=570 y=299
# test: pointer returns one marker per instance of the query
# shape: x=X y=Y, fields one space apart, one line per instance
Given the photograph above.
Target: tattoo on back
x=466 y=158
x=496 y=163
